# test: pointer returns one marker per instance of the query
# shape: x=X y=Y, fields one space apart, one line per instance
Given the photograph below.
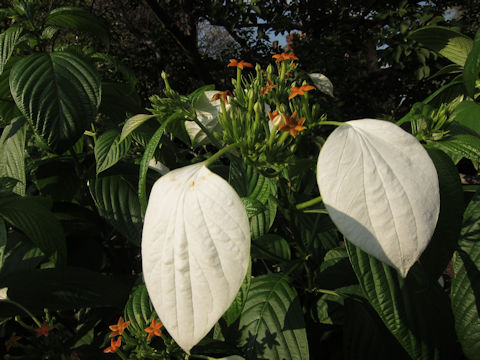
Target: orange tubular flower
x=119 y=327
x=154 y=329
x=222 y=95
x=293 y=126
x=239 y=64
x=299 y=90
x=12 y=341
x=284 y=56
x=43 y=330
x=114 y=346
x=269 y=87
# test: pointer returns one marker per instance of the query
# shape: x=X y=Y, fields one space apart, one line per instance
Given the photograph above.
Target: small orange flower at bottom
x=154 y=329
x=12 y=341
x=222 y=95
x=293 y=126
x=43 y=330
x=119 y=327
x=114 y=345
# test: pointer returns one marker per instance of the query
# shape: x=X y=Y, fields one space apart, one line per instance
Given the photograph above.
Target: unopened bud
x=279 y=121
x=250 y=94
x=258 y=108
x=269 y=69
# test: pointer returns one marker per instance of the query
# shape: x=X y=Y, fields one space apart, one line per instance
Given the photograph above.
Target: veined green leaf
x=30 y=216
x=449 y=43
x=415 y=309
x=467 y=114
x=78 y=19
x=271 y=324
x=472 y=66
x=446 y=93
x=3 y=242
x=8 y=41
x=133 y=123
x=234 y=311
x=12 y=154
x=440 y=250
x=8 y=108
x=58 y=94
x=109 y=150
x=116 y=200
x=139 y=310
x=458 y=146
x=465 y=291
x=271 y=247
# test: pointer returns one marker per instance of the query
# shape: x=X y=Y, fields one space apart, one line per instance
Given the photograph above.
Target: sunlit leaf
x=380 y=188
x=322 y=83
x=195 y=250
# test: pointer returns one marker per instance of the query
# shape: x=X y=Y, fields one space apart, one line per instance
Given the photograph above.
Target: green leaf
x=66 y=288
x=271 y=247
x=118 y=100
x=449 y=43
x=12 y=154
x=458 y=146
x=415 y=309
x=78 y=19
x=58 y=94
x=3 y=242
x=235 y=310
x=139 y=310
x=465 y=290
x=133 y=123
x=109 y=150
x=446 y=93
x=439 y=251
x=271 y=324
x=116 y=200
x=8 y=108
x=261 y=223
x=365 y=336
x=34 y=219
x=467 y=114
x=147 y=156
x=252 y=206
x=9 y=39
x=472 y=66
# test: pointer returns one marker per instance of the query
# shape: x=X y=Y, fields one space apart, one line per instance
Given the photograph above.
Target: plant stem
x=24 y=309
x=217 y=155
x=210 y=136
x=309 y=203
x=335 y=123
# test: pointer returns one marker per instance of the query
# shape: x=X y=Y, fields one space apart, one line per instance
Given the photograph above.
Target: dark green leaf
x=34 y=219
x=117 y=201
x=271 y=247
x=58 y=94
x=3 y=242
x=446 y=93
x=260 y=224
x=109 y=150
x=439 y=251
x=118 y=100
x=365 y=336
x=449 y=43
x=234 y=311
x=465 y=290
x=467 y=114
x=12 y=154
x=8 y=108
x=66 y=288
x=458 y=146
x=252 y=206
x=271 y=324
x=139 y=310
x=472 y=66
x=8 y=41
x=78 y=19
x=415 y=309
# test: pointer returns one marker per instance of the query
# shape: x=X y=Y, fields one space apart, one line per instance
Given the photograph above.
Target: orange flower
x=114 y=345
x=119 y=327
x=43 y=330
x=222 y=95
x=154 y=329
x=239 y=64
x=12 y=341
x=284 y=56
x=293 y=126
x=299 y=90
x=74 y=356
x=269 y=87
x=277 y=119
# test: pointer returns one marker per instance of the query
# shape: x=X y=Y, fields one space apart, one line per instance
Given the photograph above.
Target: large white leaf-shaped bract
x=380 y=188
x=195 y=250
x=207 y=114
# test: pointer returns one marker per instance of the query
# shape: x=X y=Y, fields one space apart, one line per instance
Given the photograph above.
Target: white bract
x=380 y=188
x=322 y=83
x=195 y=250
x=207 y=114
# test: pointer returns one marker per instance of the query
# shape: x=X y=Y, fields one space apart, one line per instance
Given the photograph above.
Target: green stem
x=309 y=203
x=219 y=153
x=210 y=136
x=335 y=123
x=238 y=85
x=24 y=309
